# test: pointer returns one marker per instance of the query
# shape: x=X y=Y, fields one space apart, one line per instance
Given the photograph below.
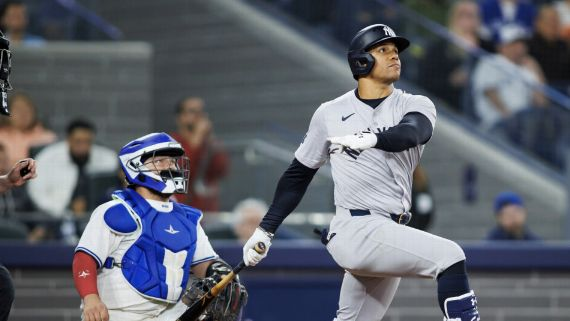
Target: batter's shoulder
x=339 y=100
x=338 y=103
x=421 y=99
x=411 y=100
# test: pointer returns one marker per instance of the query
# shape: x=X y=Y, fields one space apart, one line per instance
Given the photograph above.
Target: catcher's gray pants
x=375 y=252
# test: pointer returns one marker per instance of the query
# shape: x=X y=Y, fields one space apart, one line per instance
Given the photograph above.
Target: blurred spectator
x=209 y=161
x=423 y=207
x=248 y=214
x=433 y=9
x=14 y=23
x=65 y=169
x=23 y=129
x=549 y=50
x=511 y=215
x=563 y=8
x=498 y=13
x=505 y=83
x=352 y=15
x=445 y=69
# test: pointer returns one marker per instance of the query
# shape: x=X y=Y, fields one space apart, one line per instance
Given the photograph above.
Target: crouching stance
x=139 y=250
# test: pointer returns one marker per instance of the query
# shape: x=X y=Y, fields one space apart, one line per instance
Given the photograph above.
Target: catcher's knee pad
x=462 y=308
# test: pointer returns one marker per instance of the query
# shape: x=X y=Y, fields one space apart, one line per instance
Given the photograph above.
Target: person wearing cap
x=510 y=214
x=505 y=83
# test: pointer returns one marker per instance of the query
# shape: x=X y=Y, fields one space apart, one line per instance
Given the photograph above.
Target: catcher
x=140 y=251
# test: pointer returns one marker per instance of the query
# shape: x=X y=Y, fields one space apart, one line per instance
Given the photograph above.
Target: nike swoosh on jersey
x=346 y=117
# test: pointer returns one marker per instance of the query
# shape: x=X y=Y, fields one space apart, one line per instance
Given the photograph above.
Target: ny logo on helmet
x=389 y=32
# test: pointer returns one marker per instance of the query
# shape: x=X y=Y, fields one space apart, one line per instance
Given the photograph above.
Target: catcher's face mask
x=5 y=69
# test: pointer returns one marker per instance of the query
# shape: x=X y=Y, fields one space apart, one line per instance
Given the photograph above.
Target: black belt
x=403 y=218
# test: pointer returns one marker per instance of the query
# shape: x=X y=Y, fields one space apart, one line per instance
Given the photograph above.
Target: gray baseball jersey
x=373 y=249
x=373 y=179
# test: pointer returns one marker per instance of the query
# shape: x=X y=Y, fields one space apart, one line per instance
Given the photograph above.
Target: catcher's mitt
x=228 y=305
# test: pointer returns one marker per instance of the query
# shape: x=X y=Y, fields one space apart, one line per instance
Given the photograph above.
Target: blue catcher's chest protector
x=157 y=264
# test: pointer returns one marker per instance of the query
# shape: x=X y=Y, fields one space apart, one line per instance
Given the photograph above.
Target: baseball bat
x=198 y=307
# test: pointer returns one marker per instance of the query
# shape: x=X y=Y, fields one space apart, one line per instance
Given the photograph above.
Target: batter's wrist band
x=269 y=234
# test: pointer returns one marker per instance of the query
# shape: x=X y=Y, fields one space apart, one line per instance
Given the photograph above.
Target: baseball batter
x=373 y=137
x=134 y=258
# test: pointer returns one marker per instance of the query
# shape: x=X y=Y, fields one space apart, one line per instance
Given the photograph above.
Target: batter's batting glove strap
x=269 y=234
x=250 y=256
x=324 y=234
x=359 y=141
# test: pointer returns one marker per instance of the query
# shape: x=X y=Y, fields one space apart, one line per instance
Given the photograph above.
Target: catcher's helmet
x=134 y=155
x=359 y=59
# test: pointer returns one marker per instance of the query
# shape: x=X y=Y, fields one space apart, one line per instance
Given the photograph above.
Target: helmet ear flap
x=361 y=63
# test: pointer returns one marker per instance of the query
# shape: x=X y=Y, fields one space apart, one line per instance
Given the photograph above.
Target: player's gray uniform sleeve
x=313 y=151
x=423 y=105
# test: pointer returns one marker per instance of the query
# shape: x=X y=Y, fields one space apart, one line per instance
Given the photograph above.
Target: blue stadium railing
x=92 y=18
x=312 y=255
x=69 y=20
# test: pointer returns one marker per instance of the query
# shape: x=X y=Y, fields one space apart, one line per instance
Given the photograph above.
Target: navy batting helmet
x=359 y=59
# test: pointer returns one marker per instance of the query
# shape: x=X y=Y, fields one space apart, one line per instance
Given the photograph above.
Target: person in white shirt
x=66 y=167
x=507 y=82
